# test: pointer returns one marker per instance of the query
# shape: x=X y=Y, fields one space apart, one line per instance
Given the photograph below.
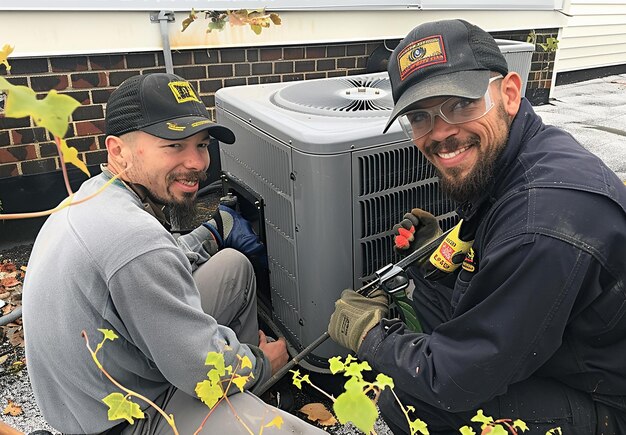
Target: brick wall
x=26 y=149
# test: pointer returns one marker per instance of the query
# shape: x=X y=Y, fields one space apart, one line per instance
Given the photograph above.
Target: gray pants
x=228 y=288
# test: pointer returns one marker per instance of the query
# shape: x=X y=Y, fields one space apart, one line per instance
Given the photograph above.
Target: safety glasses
x=454 y=110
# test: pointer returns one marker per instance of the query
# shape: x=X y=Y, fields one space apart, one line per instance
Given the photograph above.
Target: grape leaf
x=318 y=412
x=336 y=365
x=209 y=392
x=497 y=430
x=418 y=426
x=190 y=19
x=52 y=112
x=383 y=381
x=108 y=334
x=121 y=408
x=246 y=363
x=4 y=54
x=466 y=430
x=353 y=405
x=277 y=421
x=240 y=381
x=520 y=425
x=216 y=360
x=480 y=417
x=70 y=155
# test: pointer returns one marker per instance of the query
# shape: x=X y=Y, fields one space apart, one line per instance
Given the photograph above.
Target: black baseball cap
x=442 y=58
x=163 y=105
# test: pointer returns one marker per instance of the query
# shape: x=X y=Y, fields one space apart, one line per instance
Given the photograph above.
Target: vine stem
x=169 y=419
x=66 y=203
x=66 y=178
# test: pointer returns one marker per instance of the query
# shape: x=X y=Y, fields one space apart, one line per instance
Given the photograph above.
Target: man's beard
x=481 y=175
x=182 y=213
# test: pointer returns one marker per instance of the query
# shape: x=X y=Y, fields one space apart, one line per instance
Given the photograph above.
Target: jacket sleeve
x=156 y=299
x=509 y=320
x=198 y=246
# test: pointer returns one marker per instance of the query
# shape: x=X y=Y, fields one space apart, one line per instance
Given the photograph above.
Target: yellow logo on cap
x=183 y=92
x=197 y=123
x=420 y=54
x=175 y=127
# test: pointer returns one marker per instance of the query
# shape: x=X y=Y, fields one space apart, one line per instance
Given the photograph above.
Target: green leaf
x=418 y=426
x=520 y=425
x=356 y=369
x=498 y=430
x=466 y=430
x=256 y=28
x=121 y=408
x=4 y=54
x=355 y=406
x=298 y=380
x=383 y=381
x=218 y=24
x=216 y=360
x=52 y=113
x=482 y=418
x=209 y=392
x=336 y=365
x=108 y=334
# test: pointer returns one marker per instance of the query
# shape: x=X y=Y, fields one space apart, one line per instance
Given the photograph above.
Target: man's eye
x=462 y=104
x=203 y=145
x=417 y=117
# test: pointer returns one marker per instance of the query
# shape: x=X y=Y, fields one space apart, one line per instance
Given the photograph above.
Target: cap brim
x=181 y=128
x=466 y=84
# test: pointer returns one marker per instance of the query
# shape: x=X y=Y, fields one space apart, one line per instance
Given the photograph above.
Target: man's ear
x=118 y=151
x=511 y=87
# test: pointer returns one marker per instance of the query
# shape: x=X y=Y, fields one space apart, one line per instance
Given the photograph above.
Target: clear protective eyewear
x=455 y=110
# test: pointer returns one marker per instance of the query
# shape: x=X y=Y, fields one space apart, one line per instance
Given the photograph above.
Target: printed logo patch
x=183 y=92
x=197 y=123
x=420 y=54
x=469 y=263
x=175 y=127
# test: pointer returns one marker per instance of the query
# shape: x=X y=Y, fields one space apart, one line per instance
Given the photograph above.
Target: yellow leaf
x=275 y=19
x=277 y=421
x=121 y=408
x=246 y=363
x=52 y=112
x=318 y=412
x=209 y=392
x=4 y=54
x=240 y=381
x=70 y=155
x=12 y=409
x=108 y=334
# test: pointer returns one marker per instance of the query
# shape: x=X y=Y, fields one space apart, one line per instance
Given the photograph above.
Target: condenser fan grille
x=356 y=96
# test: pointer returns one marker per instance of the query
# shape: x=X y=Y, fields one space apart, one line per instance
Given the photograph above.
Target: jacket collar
x=525 y=125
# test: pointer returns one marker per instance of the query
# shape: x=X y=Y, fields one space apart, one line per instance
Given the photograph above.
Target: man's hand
x=275 y=351
x=414 y=231
x=355 y=315
x=231 y=230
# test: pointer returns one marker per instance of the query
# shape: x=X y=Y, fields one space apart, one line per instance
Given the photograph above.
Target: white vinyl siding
x=594 y=35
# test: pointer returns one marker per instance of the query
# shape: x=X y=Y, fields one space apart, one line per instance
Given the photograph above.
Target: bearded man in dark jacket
x=531 y=326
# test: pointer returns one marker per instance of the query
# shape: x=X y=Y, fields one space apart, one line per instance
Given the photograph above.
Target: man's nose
x=197 y=159
x=441 y=129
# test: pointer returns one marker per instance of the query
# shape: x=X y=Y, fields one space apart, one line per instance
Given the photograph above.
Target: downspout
x=163 y=18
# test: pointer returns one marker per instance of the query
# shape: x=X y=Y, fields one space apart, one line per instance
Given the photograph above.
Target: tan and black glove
x=415 y=230
x=355 y=315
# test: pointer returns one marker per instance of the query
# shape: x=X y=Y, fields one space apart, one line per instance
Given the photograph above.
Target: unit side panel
x=323 y=194
x=264 y=165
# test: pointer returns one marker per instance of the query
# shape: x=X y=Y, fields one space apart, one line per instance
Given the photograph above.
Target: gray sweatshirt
x=107 y=263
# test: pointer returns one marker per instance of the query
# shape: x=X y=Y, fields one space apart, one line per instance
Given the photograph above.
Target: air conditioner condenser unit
x=332 y=187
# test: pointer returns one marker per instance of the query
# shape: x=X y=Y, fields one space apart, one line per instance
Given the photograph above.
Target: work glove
x=355 y=315
x=415 y=230
x=231 y=230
